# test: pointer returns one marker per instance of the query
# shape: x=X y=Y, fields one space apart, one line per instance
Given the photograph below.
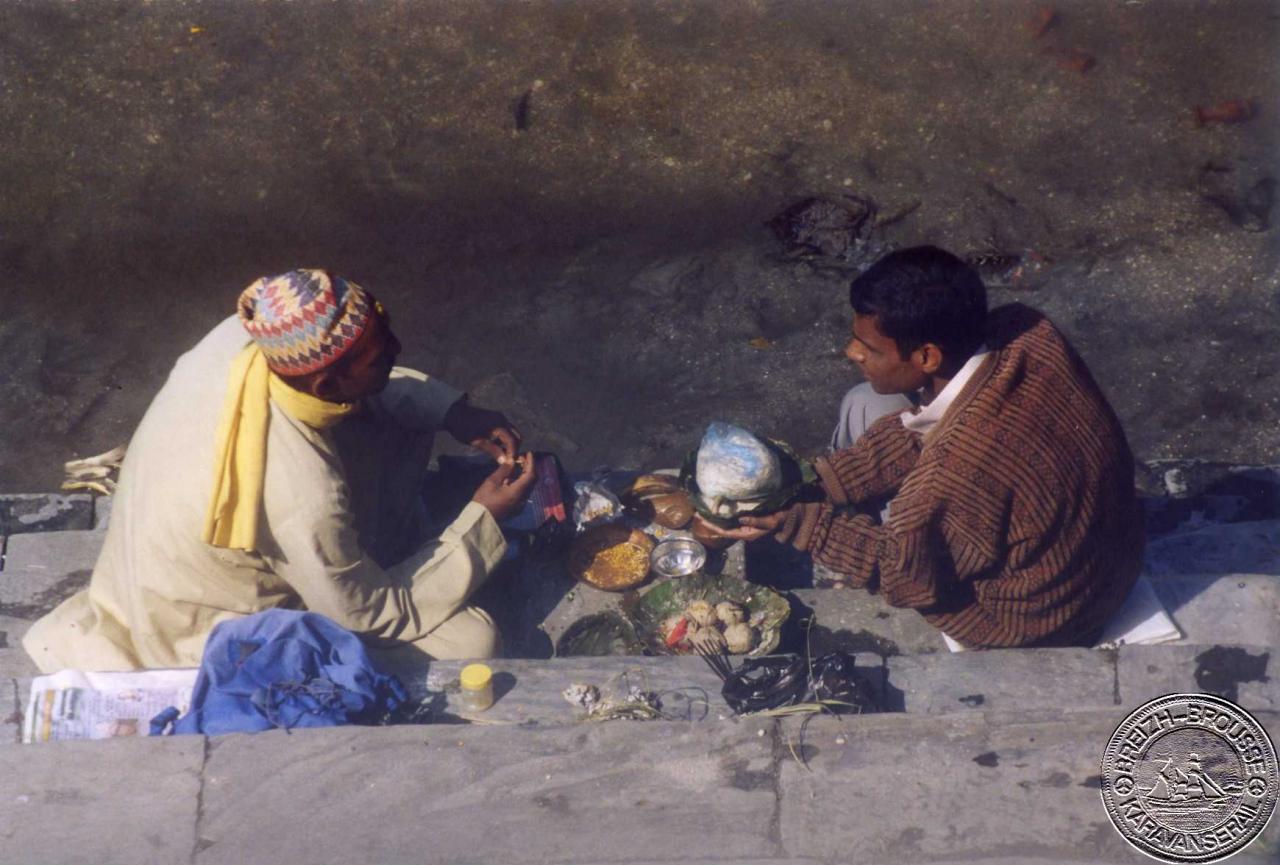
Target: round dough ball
x=701 y=613
x=740 y=638
x=712 y=639
x=730 y=613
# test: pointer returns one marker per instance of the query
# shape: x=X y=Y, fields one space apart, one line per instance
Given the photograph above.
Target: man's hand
x=502 y=494
x=749 y=528
x=484 y=430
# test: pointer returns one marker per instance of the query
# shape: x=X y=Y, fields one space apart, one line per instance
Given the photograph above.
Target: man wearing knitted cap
x=280 y=466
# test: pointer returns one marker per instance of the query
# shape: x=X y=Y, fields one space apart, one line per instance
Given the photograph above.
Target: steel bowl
x=678 y=557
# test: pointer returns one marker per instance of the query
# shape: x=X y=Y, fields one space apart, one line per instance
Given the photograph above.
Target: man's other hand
x=749 y=528
x=484 y=430
x=502 y=492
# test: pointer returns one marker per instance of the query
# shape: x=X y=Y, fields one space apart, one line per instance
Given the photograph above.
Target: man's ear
x=929 y=358
x=325 y=386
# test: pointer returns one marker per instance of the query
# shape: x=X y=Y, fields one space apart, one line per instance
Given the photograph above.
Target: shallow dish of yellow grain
x=611 y=557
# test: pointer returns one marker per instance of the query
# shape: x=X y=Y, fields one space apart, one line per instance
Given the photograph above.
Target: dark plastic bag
x=765 y=683
x=833 y=677
x=776 y=681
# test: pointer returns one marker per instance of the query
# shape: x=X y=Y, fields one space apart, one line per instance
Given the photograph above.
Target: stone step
x=529 y=692
x=45 y=512
x=42 y=569
x=12 y=630
x=977 y=787
x=1241 y=674
x=1210 y=608
x=16 y=672
x=981 y=786
x=1230 y=548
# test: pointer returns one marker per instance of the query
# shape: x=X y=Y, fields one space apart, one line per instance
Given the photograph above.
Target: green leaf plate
x=766 y=609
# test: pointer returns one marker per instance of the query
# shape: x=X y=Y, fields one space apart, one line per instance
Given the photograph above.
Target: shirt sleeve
x=319 y=555
x=874 y=466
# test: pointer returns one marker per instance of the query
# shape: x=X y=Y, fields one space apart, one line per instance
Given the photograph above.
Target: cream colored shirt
x=158 y=590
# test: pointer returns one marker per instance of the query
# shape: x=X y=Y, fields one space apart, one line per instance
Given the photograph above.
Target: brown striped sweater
x=1013 y=521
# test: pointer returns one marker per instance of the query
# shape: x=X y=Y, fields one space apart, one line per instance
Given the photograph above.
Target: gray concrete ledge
x=981 y=786
x=595 y=793
x=1235 y=609
x=1245 y=675
x=42 y=569
x=127 y=801
x=45 y=512
x=1003 y=679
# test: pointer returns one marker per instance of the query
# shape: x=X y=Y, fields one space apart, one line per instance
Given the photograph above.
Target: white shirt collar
x=922 y=420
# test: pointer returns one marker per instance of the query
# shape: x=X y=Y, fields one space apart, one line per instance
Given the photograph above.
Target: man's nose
x=854 y=353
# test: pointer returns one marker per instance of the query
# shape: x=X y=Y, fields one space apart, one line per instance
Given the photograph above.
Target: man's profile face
x=876 y=355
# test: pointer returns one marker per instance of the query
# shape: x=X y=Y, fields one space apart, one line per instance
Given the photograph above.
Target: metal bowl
x=678 y=557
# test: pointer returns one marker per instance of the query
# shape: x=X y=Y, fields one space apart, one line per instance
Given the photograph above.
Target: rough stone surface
x=12 y=630
x=39 y=512
x=858 y=621
x=980 y=787
x=102 y=512
x=1246 y=675
x=1025 y=679
x=590 y=181
x=43 y=569
x=15 y=663
x=1242 y=610
x=1232 y=548
x=122 y=801
x=611 y=792
x=976 y=787
x=13 y=697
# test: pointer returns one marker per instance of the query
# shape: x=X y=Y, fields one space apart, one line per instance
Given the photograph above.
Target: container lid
x=475 y=677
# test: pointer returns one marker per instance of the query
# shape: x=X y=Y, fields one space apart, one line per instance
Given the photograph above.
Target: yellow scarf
x=240 y=454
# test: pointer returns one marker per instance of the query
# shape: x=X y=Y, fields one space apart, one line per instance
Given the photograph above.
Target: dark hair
x=924 y=294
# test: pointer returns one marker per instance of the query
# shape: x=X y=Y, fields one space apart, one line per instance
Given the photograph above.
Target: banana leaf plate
x=766 y=609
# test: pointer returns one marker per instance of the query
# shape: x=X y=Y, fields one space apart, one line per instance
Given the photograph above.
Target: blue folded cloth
x=283 y=668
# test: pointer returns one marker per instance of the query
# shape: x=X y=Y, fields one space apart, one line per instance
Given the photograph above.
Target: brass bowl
x=611 y=557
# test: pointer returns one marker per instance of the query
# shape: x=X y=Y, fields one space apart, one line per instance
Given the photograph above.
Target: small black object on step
x=774 y=682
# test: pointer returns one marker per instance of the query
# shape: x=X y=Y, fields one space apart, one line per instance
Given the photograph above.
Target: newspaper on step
x=77 y=705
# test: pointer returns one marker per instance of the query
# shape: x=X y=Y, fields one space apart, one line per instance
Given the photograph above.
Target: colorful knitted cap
x=304 y=320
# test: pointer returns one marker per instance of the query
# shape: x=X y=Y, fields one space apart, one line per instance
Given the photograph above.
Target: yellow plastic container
x=477 y=687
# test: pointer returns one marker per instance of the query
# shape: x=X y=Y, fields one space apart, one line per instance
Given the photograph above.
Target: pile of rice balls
x=720 y=627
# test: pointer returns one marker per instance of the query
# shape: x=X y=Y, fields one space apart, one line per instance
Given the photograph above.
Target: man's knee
x=469 y=633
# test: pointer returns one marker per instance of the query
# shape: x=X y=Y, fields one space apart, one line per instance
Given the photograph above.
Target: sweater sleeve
x=873 y=467
x=910 y=562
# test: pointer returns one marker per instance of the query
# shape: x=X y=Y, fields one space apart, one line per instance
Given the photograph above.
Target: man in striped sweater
x=1012 y=517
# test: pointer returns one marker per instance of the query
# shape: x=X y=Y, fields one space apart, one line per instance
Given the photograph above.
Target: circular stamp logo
x=1189 y=778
